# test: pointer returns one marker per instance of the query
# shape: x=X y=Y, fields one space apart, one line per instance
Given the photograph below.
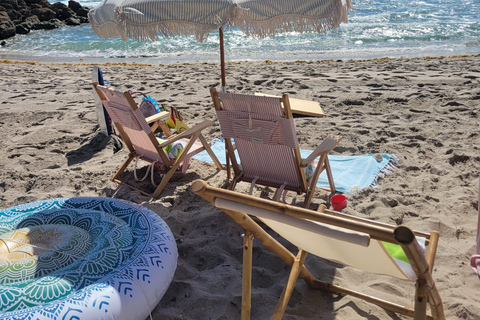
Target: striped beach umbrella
x=150 y=19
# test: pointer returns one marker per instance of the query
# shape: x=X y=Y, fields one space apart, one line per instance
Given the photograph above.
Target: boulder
x=72 y=22
x=74 y=5
x=62 y=11
x=14 y=15
x=7 y=27
x=32 y=21
x=83 y=12
x=29 y=24
x=78 y=9
x=6 y=6
x=30 y=2
x=22 y=29
x=21 y=16
x=83 y=19
x=25 y=12
x=49 y=25
x=44 y=14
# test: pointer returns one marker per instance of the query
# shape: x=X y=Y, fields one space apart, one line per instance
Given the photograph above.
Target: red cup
x=339 y=201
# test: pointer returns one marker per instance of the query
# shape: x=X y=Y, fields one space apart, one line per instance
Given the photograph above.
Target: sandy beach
x=425 y=111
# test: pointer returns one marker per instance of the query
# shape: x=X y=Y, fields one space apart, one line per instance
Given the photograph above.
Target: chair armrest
x=157 y=117
x=186 y=134
x=325 y=147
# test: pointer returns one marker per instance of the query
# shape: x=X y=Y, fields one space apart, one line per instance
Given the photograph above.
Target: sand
x=425 y=111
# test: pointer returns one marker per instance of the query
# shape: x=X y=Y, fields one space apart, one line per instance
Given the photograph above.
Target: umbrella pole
x=222 y=58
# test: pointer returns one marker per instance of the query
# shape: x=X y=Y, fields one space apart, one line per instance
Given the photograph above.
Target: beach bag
x=148 y=106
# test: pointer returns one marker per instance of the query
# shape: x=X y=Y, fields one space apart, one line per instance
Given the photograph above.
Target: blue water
x=376 y=28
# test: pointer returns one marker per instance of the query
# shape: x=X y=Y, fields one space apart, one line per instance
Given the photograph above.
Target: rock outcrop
x=22 y=16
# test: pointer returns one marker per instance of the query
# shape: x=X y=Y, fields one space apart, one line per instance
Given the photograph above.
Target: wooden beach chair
x=155 y=121
x=142 y=143
x=267 y=145
x=366 y=245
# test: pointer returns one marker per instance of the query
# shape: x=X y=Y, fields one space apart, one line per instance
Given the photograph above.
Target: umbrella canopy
x=149 y=19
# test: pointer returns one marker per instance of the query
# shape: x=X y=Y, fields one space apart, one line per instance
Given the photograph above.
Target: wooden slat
x=299 y=106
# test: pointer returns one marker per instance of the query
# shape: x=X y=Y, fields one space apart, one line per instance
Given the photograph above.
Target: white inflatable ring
x=83 y=258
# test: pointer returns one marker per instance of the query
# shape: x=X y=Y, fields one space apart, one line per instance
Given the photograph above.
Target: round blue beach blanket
x=83 y=258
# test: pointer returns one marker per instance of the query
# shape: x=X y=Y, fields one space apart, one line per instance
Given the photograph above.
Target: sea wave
x=376 y=28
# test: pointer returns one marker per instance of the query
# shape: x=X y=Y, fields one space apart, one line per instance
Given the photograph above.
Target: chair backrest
x=264 y=136
x=131 y=124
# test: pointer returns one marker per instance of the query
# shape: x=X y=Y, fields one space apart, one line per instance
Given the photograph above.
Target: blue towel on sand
x=350 y=173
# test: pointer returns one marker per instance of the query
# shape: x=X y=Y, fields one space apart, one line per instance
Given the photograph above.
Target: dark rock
x=74 y=5
x=30 y=2
x=7 y=27
x=3 y=43
x=22 y=16
x=83 y=12
x=14 y=15
x=32 y=21
x=7 y=6
x=25 y=12
x=22 y=29
x=29 y=24
x=63 y=12
x=58 y=5
x=44 y=14
x=45 y=4
x=78 y=9
x=49 y=25
x=72 y=22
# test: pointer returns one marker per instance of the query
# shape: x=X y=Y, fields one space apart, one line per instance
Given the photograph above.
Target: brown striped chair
x=265 y=150
x=142 y=144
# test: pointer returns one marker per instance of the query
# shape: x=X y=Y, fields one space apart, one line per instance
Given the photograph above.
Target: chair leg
x=229 y=174
x=163 y=183
x=123 y=167
x=210 y=152
x=287 y=291
x=233 y=183
x=227 y=157
x=247 y=276
x=329 y=175
x=164 y=128
x=173 y=168
x=420 y=300
x=308 y=198
x=313 y=181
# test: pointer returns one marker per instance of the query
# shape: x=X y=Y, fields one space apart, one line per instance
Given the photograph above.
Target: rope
x=278 y=193
x=150 y=169
x=252 y=185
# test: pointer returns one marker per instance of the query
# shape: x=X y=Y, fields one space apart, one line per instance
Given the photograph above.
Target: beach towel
x=350 y=173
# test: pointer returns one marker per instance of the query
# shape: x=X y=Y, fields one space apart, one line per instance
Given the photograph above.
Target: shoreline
x=85 y=62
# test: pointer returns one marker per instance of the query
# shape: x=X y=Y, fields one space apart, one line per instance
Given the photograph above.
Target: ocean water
x=376 y=28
